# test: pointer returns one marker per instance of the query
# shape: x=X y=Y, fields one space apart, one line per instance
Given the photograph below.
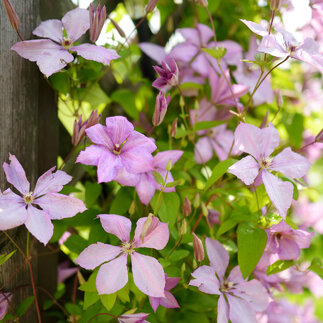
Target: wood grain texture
x=18 y=135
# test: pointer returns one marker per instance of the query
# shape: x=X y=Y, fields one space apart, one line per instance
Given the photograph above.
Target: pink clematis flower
x=5 y=299
x=260 y=143
x=54 y=53
x=283 y=44
x=64 y=271
x=148 y=273
x=168 y=75
x=133 y=318
x=145 y=182
x=160 y=108
x=117 y=146
x=168 y=300
x=36 y=208
x=239 y=299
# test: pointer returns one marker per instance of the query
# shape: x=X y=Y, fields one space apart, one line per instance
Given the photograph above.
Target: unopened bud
x=151 y=6
x=97 y=20
x=203 y=3
x=279 y=99
x=149 y=226
x=169 y=165
x=160 y=108
x=132 y=208
x=11 y=12
x=187 y=209
x=183 y=228
x=205 y=211
x=264 y=121
x=319 y=137
x=197 y=201
x=198 y=248
x=173 y=129
x=275 y=4
x=119 y=29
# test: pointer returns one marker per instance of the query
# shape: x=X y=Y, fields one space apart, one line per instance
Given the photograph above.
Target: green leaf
x=73 y=309
x=121 y=203
x=90 y=299
x=4 y=258
x=126 y=99
x=95 y=96
x=203 y=125
x=218 y=171
x=180 y=133
x=295 y=130
x=251 y=244
x=216 y=52
x=226 y=226
x=60 y=82
x=90 y=285
x=158 y=177
x=317 y=267
x=178 y=255
x=278 y=266
x=169 y=208
x=108 y=300
x=123 y=294
x=75 y=243
x=176 y=183
x=24 y=305
x=92 y=192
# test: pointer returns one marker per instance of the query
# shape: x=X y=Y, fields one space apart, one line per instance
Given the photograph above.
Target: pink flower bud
x=80 y=126
x=151 y=6
x=203 y=3
x=160 y=108
x=198 y=248
x=173 y=129
x=319 y=137
x=187 y=209
x=119 y=29
x=97 y=19
x=11 y=12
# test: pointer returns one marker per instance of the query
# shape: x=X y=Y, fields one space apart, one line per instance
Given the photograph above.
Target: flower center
x=128 y=248
x=265 y=163
x=29 y=198
x=226 y=286
x=66 y=43
x=117 y=149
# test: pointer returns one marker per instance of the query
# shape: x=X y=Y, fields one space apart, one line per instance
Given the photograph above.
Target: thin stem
x=27 y=245
x=31 y=275
x=197 y=222
x=186 y=113
x=101 y=314
x=19 y=35
x=175 y=247
x=311 y=143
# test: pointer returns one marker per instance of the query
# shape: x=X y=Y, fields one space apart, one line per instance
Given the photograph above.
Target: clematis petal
x=254 y=293
x=146 y=188
x=51 y=182
x=223 y=310
x=154 y=302
x=50 y=57
x=235 y=276
x=52 y=29
x=171 y=282
x=290 y=164
x=205 y=280
x=96 y=53
x=161 y=159
x=205 y=34
x=154 y=51
x=302 y=238
x=112 y=276
x=99 y=135
x=137 y=160
x=118 y=129
x=156 y=237
x=245 y=169
x=148 y=275
x=169 y=301
x=127 y=179
x=268 y=140
x=108 y=167
x=76 y=23
x=16 y=175
x=203 y=150
x=279 y=192
x=58 y=206
x=240 y=310
x=219 y=257
x=39 y=224
x=96 y=254
x=91 y=155
x=270 y=45
x=13 y=214
x=118 y=225
x=288 y=249
x=184 y=52
x=255 y=28
x=138 y=139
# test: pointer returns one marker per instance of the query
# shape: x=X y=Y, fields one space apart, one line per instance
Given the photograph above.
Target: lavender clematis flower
x=53 y=53
x=117 y=146
x=64 y=271
x=160 y=108
x=168 y=75
x=133 y=318
x=283 y=44
x=239 y=299
x=168 y=300
x=145 y=182
x=36 y=208
x=5 y=299
x=260 y=143
x=148 y=273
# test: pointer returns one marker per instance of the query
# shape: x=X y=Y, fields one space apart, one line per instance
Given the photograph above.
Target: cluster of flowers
x=124 y=155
